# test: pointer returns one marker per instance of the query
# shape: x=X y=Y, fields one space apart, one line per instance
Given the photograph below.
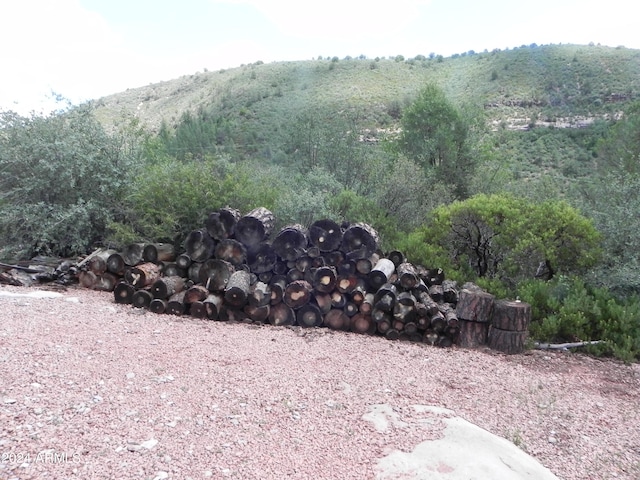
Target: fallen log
x=164 y=287
x=158 y=305
x=324 y=279
x=565 y=346
x=231 y=251
x=261 y=258
x=336 y=319
x=142 y=275
x=281 y=314
x=176 y=304
x=236 y=293
x=359 y=241
x=141 y=299
x=199 y=246
x=381 y=273
x=309 y=315
x=115 y=264
x=123 y=293
x=132 y=254
x=159 y=252
x=407 y=275
x=291 y=242
x=297 y=293
x=214 y=274
x=258 y=313
x=326 y=235
x=196 y=293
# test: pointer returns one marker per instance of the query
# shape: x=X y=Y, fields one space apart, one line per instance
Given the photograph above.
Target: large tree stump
x=506 y=341
x=476 y=306
x=222 y=224
x=255 y=226
x=472 y=334
x=513 y=316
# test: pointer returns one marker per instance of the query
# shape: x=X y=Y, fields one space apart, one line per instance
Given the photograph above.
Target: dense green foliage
x=514 y=169
x=61 y=181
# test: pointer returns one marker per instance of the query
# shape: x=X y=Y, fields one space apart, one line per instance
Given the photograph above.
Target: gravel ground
x=94 y=390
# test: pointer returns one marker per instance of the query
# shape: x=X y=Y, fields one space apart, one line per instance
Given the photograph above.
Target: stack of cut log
x=327 y=275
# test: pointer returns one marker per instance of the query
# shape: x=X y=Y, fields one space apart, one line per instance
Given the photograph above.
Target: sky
x=86 y=49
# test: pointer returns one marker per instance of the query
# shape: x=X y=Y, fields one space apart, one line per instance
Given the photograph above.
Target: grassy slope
x=547 y=82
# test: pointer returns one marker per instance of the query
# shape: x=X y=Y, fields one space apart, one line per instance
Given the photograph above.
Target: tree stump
x=476 y=306
x=472 y=334
x=510 y=321
x=507 y=341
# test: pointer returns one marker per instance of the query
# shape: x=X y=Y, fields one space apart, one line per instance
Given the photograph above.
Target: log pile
x=328 y=275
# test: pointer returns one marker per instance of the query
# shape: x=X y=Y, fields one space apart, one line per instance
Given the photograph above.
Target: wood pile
x=328 y=275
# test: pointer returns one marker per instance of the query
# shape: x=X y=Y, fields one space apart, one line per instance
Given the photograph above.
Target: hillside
x=561 y=85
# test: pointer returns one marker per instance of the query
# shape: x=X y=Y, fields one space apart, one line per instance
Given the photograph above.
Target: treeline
x=549 y=215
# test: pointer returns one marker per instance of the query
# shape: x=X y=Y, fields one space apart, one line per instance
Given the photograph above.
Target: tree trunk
x=159 y=252
x=193 y=273
x=336 y=319
x=381 y=273
x=396 y=257
x=164 y=287
x=385 y=297
x=259 y=294
x=324 y=279
x=326 y=235
x=87 y=279
x=172 y=270
x=132 y=254
x=231 y=251
x=105 y=282
x=254 y=227
x=323 y=301
x=408 y=275
x=297 y=293
x=158 y=305
x=199 y=245
x=278 y=285
x=309 y=315
x=510 y=342
x=476 y=306
x=359 y=241
x=291 y=242
x=222 y=224
x=365 y=265
x=361 y=323
x=123 y=293
x=98 y=262
x=258 y=314
x=115 y=264
x=176 y=304
x=236 y=293
x=141 y=299
x=142 y=275
x=513 y=316
x=436 y=292
x=196 y=293
x=281 y=314
x=212 y=304
x=214 y=274
x=183 y=261
x=261 y=258
x=450 y=291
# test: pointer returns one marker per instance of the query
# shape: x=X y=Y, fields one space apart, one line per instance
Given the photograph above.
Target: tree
x=435 y=135
x=510 y=239
x=62 y=178
x=619 y=151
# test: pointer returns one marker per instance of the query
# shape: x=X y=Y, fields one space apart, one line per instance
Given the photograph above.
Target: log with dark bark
x=132 y=254
x=438 y=322
x=325 y=279
x=293 y=275
x=176 y=304
x=510 y=342
x=366 y=307
x=212 y=304
x=142 y=275
x=158 y=305
x=434 y=277
x=172 y=270
x=291 y=242
x=365 y=265
x=214 y=274
x=396 y=256
x=254 y=227
x=475 y=305
x=450 y=292
x=326 y=235
x=472 y=334
x=98 y=262
x=383 y=325
x=222 y=224
x=350 y=309
x=123 y=293
x=229 y=313
x=346 y=267
x=193 y=272
x=236 y=293
x=231 y=251
x=361 y=323
x=115 y=264
x=359 y=240
x=199 y=245
x=407 y=275
x=392 y=334
x=304 y=263
x=164 y=287
x=261 y=258
x=277 y=284
x=196 y=293
x=259 y=294
x=510 y=315
x=159 y=252
x=105 y=282
x=197 y=309
x=183 y=261
x=141 y=298
x=309 y=315
x=338 y=300
x=322 y=300
x=257 y=313
x=297 y=293
x=336 y=319
x=346 y=283
x=281 y=314
x=381 y=273
x=436 y=292
x=87 y=279
x=385 y=297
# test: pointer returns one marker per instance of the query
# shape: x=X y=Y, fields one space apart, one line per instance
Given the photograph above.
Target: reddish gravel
x=94 y=390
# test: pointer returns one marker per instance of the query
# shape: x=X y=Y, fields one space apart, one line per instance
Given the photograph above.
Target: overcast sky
x=83 y=49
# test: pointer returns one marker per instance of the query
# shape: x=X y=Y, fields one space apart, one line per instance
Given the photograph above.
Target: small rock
x=10 y=401
x=161 y=475
x=553 y=440
x=149 y=444
x=131 y=375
